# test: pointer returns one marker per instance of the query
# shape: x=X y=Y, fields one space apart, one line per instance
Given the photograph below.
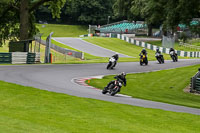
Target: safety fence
x=19 y=58
x=153 y=47
x=192 y=47
x=65 y=51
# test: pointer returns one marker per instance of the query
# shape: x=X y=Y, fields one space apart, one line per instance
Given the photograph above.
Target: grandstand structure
x=194 y=22
x=124 y=27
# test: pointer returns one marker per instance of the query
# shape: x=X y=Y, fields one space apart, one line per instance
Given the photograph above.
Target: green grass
x=25 y=109
x=4 y=47
x=124 y=47
x=163 y=86
x=194 y=42
x=62 y=30
x=91 y=58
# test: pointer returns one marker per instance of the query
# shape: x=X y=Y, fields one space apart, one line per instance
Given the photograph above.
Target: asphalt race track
x=60 y=78
x=87 y=47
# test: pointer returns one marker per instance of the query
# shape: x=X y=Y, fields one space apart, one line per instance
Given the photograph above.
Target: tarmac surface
x=87 y=47
x=61 y=78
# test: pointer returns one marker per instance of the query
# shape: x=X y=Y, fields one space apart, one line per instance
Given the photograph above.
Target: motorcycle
x=174 y=56
x=143 y=60
x=159 y=57
x=111 y=64
x=113 y=88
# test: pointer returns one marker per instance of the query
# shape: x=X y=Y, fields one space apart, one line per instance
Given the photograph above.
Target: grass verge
x=163 y=86
x=62 y=30
x=25 y=109
x=124 y=47
x=88 y=58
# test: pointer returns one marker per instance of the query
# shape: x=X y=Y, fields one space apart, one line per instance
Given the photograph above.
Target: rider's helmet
x=116 y=56
x=143 y=51
x=157 y=49
x=123 y=74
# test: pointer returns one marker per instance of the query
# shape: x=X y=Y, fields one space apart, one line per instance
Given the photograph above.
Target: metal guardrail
x=19 y=58
x=195 y=83
x=162 y=49
x=65 y=51
x=5 y=58
x=186 y=45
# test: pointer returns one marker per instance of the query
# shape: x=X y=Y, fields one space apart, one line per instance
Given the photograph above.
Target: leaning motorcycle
x=174 y=56
x=143 y=59
x=160 y=58
x=111 y=63
x=113 y=88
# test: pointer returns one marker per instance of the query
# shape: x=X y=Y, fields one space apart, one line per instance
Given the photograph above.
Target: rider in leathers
x=116 y=56
x=121 y=78
x=143 y=52
x=158 y=51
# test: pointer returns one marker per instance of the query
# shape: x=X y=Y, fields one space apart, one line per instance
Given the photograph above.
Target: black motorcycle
x=174 y=56
x=113 y=88
x=111 y=63
x=160 y=58
x=143 y=59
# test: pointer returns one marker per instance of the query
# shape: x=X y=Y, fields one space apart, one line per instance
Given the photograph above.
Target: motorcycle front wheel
x=109 y=65
x=114 y=91
x=104 y=91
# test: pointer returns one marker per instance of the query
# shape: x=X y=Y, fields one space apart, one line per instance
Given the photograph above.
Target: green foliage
x=9 y=29
x=195 y=29
x=183 y=36
x=167 y=12
x=89 y=11
x=55 y=7
x=121 y=9
x=10 y=17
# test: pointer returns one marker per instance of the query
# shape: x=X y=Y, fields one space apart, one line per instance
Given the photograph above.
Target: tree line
x=18 y=17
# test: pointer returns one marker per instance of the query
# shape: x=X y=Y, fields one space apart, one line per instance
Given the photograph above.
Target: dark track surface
x=59 y=78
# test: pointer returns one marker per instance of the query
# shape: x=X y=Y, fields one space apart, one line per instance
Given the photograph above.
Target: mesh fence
x=168 y=42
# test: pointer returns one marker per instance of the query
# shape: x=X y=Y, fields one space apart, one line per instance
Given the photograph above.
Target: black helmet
x=123 y=74
x=157 y=49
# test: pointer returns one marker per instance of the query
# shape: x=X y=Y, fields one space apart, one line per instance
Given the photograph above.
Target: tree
x=89 y=11
x=17 y=17
x=121 y=9
x=170 y=13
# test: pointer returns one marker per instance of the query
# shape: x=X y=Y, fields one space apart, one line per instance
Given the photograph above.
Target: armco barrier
x=153 y=47
x=195 y=83
x=5 y=58
x=30 y=58
x=65 y=51
x=19 y=58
